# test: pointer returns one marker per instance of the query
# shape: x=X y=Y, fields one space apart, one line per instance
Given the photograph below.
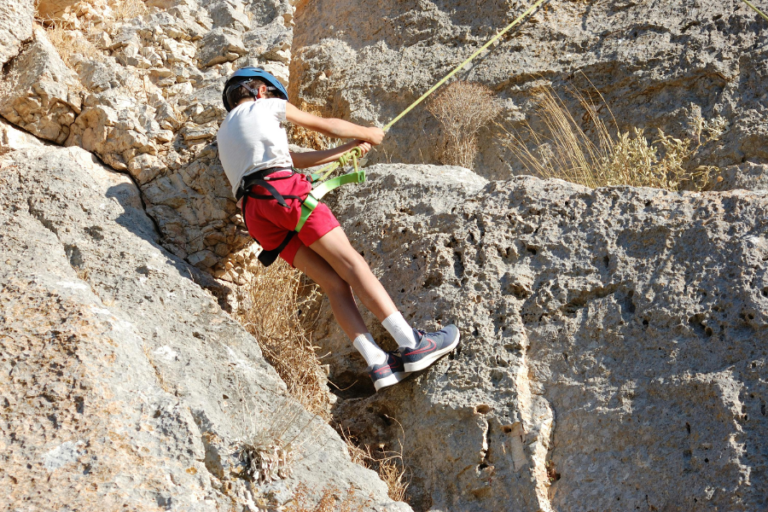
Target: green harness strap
x=314 y=197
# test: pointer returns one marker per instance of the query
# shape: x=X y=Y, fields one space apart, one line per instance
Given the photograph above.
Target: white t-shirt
x=251 y=139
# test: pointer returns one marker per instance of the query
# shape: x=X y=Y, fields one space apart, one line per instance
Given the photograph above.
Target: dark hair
x=237 y=93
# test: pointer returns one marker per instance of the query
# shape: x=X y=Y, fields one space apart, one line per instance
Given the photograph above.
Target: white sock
x=396 y=325
x=369 y=349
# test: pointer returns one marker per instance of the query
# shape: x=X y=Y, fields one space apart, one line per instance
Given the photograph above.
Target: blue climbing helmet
x=242 y=76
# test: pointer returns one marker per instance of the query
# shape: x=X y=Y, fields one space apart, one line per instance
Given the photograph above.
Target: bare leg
x=338 y=291
x=349 y=265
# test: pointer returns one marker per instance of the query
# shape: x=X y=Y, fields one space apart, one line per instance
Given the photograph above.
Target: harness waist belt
x=244 y=191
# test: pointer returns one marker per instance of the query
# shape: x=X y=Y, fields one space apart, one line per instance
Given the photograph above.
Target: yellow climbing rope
x=758 y=11
x=470 y=59
x=328 y=169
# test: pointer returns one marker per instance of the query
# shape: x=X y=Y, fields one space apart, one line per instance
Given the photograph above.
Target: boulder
x=267 y=11
x=125 y=385
x=39 y=92
x=652 y=64
x=614 y=342
x=224 y=14
x=16 y=21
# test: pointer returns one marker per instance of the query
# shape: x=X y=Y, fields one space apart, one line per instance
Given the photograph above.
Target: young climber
x=253 y=148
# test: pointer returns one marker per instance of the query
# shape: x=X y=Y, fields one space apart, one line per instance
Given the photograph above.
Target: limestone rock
x=224 y=14
x=220 y=45
x=53 y=9
x=99 y=75
x=271 y=42
x=614 y=342
x=748 y=176
x=267 y=11
x=147 y=108
x=40 y=93
x=16 y=19
x=278 y=70
x=124 y=383
x=656 y=64
x=12 y=139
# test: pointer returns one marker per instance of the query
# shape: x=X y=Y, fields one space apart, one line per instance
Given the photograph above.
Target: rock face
x=145 y=96
x=16 y=19
x=614 y=342
x=746 y=176
x=656 y=64
x=124 y=385
x=41 y=94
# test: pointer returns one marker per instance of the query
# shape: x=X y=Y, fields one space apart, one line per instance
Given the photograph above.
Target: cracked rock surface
x=124 y=386
x=614 y=342
x=16 y=20
x=656 y=64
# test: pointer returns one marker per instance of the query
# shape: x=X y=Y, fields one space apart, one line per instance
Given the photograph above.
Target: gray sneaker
x=389 y=373
x=431 y=347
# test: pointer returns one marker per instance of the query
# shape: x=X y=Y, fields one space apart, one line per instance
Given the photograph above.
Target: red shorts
x=269 y=223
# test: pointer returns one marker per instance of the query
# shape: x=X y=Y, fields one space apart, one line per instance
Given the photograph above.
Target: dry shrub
x=123 y=10
x=276 y=305
x=462 y=108
x=567 y=152
x=330 y=501
x=267 y=454
x=70 y=42
x=276 y=310
x=388 y=464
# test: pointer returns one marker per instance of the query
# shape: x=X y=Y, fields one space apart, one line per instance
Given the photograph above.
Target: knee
x=333 y=284
x=354 y=266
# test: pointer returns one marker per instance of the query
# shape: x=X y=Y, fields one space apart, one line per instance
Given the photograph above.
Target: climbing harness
x=308 y=203
x=758 y=11
x=325 y=185
x=259 y=179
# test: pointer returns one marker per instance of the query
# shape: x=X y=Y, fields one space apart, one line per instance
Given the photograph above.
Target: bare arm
x=313 y=158
x=333 y=127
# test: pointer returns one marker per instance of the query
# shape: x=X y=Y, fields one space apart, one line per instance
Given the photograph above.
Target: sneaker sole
x=390 y=381
x=427 y=361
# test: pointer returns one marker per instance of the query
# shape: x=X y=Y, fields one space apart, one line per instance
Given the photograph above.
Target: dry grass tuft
x=388 y=464
x=567 y=152
x=70 y=42
x=331 y=500
x=462 y=108
x=277 y=302
x=123 y=10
